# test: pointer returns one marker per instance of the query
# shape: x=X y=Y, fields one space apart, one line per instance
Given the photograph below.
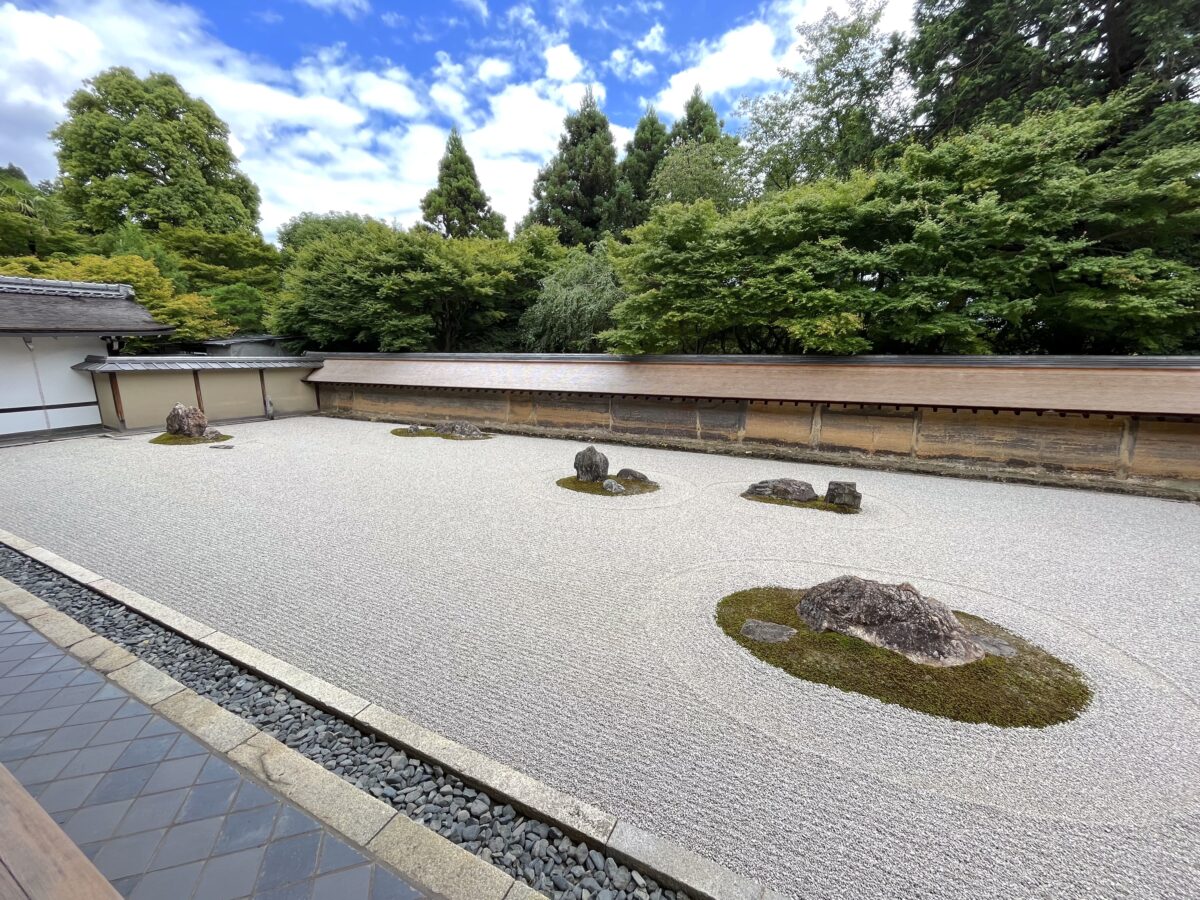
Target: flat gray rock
x=994 y=646
x=632 y=475
x=767 y=632
x=783 y=489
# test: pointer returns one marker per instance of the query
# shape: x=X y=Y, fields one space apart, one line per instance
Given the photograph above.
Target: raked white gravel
x=572 y=637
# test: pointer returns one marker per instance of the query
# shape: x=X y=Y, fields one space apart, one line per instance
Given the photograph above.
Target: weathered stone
x=414 y=429
x=994 y=646
x=461 y=430
x=783 y=489
x=613 y=487
x=591 y=465
x=632 y=475
x=843 y=493
x=766 y=632
x=188 y=421
x=893 y=616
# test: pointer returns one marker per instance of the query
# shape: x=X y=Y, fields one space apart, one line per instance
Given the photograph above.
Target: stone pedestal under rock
x=783 y=489
x=893 y=616
x=591 y=465
x=844 y=493
x=459 y=430
x=187 y=421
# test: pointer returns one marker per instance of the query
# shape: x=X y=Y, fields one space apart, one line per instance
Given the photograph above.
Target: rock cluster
x=783 y=489
x=533 y=852
x=460 y=430
x=188 y=421
x=591 y=465
x=893 y=616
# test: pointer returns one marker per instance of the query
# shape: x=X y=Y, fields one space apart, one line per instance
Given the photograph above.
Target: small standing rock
x=767 y=632
x=591 y=465
x=844 y=493
x=188 y=421
x=613 y=487
x=783 y=489
x=632 y=475
x=414 y=429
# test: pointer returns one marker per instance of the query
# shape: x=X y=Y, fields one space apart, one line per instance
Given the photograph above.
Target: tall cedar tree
x=698 y=123
x=142 y=150
x=642 y=156
x=574 y=191
x=458 y=207
x=997 y=59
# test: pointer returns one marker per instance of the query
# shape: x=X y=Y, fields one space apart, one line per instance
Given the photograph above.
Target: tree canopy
x=458 y=207
x=142 y=150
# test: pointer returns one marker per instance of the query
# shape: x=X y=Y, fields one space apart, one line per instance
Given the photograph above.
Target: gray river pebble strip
x=533 y=852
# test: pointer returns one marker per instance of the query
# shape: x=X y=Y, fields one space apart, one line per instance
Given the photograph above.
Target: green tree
x=696 y=170
x=574 y=304
x=996 y=59
x=458 y=207
x=699 y=122
x=573 y=192
x=33 y=220
x=307 y=227
x=643 y=153
x=840 y=111
x=144 y=151
x=241 y=305
x=212 y=260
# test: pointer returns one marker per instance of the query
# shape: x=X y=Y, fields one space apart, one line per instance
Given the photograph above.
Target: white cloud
x=561 y=63
x=624 y=64
x=654 y=41
x=477 y=6
x=493 y=69
x=739 y=59
x=351 y=9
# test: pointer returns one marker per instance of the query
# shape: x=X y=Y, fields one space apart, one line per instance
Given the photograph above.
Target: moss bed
x=572 y=483
x=182 y=440
x=1032 y=689
x=429 y=432
x=809 y=504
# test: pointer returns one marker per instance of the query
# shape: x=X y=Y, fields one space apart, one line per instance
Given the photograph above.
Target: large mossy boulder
x=591 y=465
x=896 y=617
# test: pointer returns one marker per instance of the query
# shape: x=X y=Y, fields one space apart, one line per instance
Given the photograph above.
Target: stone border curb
x=404 y=844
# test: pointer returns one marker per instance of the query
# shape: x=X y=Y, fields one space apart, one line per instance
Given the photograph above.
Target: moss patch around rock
x=182 y=440
x=1032 y=689
x=429 y=432
x=810 y=504
x=632 y=487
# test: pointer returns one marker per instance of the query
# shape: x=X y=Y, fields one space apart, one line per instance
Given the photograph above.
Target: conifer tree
x=458 y=206
x=698 y=123
x=634 y=173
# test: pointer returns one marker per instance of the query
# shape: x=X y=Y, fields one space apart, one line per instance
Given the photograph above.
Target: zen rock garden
x=840 y=496
x=891 y=642
x=188 y=425
x=451 y=431
x=591 y=477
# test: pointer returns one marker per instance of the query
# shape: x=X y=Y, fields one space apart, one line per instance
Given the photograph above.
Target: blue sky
x=346 y=104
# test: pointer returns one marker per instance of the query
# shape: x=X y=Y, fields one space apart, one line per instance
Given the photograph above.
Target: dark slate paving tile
x=32 y=667
x=71 y=737
x=289 y=860
x=152 y=811
x=231 y=876
x=175 y=773
x=87 y=676
x=19 y=684
x=66 y=664
x=46 y=719
x=90 y=760
x=10 y=723
x=38 y=768
x=95 y=823
x=243 y=830
x=58 y=680
x=68 y=793
x=20 y=746
x=158 y=726
x=216 y=770
x=125 y=886
x=301 y=890
x=205 y=800
x=27 y=702
x=187 y=843
x=186 y=746
x=145 y=750
x=168 y=884
x=129 y=855
x=120 y=730
x=95 y=711
x=386 y=885
x=349 y=884
x=17 y=652
x=131 y=707
x=123 y=784
x=292 y=821
x=336 y=854
x=251 y=795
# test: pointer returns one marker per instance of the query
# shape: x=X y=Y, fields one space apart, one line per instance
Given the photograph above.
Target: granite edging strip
x=668 y=862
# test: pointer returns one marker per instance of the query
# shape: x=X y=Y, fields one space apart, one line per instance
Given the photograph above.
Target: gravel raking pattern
x=534 y=852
